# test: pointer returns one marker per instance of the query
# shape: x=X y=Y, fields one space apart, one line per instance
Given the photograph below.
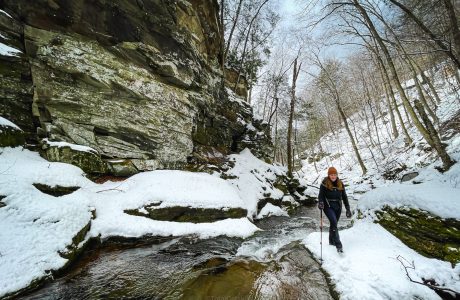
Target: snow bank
x=270 y=210
x=252 y=179
x=369 y=268
x=174 y=188
x=8 y=123
x=36 y=226
x=439 y=199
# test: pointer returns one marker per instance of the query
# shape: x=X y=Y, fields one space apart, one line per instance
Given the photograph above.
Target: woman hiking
x=331 y=194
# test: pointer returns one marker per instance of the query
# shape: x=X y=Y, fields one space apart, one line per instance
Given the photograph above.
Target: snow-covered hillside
x=375 y=262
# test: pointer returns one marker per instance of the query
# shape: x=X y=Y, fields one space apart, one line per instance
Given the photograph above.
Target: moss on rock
x=424 y=232
x=89 y=161
x=188 y=214
x=11 y=136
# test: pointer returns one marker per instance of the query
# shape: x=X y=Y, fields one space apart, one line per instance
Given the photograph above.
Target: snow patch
x=8 y=51
x=71 y=146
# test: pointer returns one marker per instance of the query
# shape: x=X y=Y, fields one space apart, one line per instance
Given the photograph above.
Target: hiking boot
x=339 y=249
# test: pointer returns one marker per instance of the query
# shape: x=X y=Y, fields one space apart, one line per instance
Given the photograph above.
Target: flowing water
x=272 y=264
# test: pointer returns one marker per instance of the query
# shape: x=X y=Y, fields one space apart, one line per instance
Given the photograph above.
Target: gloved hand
x=321 y=205
x=348 y=213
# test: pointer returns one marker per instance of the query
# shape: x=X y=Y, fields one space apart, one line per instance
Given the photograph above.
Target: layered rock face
x=134 y=80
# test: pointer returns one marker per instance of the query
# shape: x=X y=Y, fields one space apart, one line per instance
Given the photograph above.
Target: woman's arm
x=345 y=198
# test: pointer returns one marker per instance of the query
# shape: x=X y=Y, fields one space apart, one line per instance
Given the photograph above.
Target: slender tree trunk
x=243 y=55
x=355 y=147
x=237 y=15
x=222 y=45
x=295 y=74
x=275 y=147
x=393 y=98
x=386 y=88
x=369 y=103
x=422 y=97
x=430 y=84
x=447 y=162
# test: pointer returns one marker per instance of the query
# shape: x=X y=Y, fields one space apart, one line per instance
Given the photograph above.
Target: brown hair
x=330 y=185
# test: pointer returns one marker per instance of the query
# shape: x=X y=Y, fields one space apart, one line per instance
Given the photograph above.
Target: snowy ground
x=37 y=226
x=369 y=269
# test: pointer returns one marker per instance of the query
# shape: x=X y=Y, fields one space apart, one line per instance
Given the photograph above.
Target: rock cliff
x=137 y=81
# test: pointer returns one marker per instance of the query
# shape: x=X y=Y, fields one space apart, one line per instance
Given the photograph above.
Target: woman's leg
x=337 y=207
x=332 y=217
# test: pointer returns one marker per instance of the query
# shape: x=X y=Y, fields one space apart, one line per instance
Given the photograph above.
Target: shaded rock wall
x=137 y=80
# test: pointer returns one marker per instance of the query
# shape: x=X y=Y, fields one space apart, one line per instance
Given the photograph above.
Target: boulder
x=57 y=190
x=409 y=176
x=424 y=232
x=122 y=167
x=83 y=157
x=187 y=214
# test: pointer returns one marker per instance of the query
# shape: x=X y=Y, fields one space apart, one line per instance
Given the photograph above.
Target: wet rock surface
x=270 y=265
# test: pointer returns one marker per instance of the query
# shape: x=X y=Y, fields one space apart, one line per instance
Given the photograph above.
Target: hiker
x=331 y=194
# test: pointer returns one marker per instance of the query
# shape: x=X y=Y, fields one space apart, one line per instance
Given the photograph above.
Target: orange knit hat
x=332 y=170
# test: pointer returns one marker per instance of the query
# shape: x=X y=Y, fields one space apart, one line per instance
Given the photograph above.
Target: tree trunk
x=393 y=98
x=237 y=15
x=295 y=74
x=369 y=103
x=243 y=55
x=423 y=99
x=447 y=162
x=386 y=88
x=353 y=143
x=430 y=84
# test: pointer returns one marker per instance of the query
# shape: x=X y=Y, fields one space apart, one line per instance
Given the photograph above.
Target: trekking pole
x=321 y=234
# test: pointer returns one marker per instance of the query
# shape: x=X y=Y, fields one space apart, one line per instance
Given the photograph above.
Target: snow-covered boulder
x=10 y=134
x=259 y=183
x=88 y=159
x=270 y=210
x=424 y=216
x=424 y=232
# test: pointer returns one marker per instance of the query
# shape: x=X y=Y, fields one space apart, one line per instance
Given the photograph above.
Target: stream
x=272 y=264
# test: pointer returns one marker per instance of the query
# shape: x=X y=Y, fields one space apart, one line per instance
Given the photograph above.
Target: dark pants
x=333 y=212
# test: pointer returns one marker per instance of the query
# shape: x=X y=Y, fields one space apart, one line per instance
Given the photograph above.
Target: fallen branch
x=426 y=282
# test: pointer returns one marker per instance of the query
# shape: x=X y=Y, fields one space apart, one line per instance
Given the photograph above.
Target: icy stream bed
x=268 y=265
